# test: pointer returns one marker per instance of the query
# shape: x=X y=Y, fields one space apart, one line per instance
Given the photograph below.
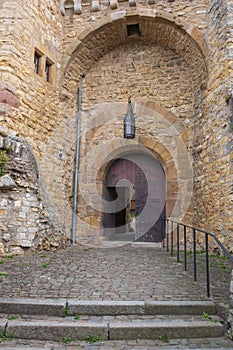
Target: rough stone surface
x=150 y=330
x=105 y=307
x=145 y=274
x=174 y=58
x=52 y=307
x=230 y=319
x=6 y=182
x=24 y=222
x=140 y=344
x=122 y=273
x=165 y=62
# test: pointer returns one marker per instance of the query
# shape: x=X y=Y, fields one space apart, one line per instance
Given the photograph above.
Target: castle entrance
x=134 y=194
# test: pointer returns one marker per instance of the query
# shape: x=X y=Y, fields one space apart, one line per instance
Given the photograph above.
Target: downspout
x=73 y=232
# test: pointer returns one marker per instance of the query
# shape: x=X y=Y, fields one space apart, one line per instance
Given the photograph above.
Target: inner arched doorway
x=134 y=191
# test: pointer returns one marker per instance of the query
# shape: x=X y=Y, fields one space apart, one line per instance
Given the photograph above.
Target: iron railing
x=172 y=240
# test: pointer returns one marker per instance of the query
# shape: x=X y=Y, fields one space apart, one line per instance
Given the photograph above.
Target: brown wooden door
x=146 y=175
x=150 y=200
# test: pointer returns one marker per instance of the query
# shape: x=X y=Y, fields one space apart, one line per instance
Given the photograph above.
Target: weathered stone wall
x=166 y=65
x=149 y=73
x=24 y=222
x=230 y=319
x=193 y=12
x=142 y=67
x=24 y=26
x=213 y=131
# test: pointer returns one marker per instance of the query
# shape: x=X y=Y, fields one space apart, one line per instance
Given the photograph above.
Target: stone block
x=52 y=307
x=9 y=98
x=56 y=330
x=179 y=307
x=26 y=243
x=2 y=249
x=16 y=251
x=6 y=182
x=174 y=329
x=105 y=307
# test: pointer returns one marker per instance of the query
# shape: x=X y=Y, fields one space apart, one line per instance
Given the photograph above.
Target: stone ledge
x=174 y=329
x=56 y=330
x=55 y=307
x=30 y=306
x=180 y=307
x=105 y=307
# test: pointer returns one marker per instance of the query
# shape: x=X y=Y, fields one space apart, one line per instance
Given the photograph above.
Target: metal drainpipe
x=73 y=233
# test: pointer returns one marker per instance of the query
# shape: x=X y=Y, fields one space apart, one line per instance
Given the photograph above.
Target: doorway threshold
x=147 y=244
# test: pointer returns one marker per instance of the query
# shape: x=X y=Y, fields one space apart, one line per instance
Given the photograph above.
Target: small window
x=43 y=66
x=48 y=71
x=37 y=58
x=133 y=29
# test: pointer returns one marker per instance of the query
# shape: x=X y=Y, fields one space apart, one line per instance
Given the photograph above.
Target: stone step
x=122 y=236
x=111 y=328
x=59 y=307
x=139 y=344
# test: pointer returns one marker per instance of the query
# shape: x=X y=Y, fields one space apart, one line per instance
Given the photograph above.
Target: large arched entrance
x=135 y=193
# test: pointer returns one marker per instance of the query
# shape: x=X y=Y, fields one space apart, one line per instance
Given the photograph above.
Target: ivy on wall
x=3 y=162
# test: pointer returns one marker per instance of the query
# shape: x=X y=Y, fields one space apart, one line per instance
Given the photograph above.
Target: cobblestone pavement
x=207 y=344
x=117 y=273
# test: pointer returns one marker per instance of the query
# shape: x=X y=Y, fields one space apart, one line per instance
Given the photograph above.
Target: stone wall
x=164 y=64
x=230 y=319
x=24 y=221
x=28 y=103
x=142 y=67
x=213 y=131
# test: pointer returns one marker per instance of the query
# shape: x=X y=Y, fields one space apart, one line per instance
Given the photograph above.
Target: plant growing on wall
x=3 y=161
x=228 y=97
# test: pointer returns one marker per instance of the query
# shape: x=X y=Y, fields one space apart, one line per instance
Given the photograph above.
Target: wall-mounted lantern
x=129 y=122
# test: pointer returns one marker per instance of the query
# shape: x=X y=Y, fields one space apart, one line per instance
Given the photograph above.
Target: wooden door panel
x=145 y=173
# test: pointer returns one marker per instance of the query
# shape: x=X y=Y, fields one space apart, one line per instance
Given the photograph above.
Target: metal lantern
x=129 y=122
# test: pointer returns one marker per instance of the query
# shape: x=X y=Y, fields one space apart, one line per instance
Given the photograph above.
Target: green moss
x=3 y=162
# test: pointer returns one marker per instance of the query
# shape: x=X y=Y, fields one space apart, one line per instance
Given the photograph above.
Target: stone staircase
x=57 y=319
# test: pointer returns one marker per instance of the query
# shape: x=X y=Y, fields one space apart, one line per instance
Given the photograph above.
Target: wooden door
x=146 y=176
x=150 y=200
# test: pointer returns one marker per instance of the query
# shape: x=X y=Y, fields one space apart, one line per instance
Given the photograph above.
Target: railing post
x=207 y=264
x=194 y=255
x=185 y=248
x=164 y=231
x=178 y=242
x=167 y=236
x=172 y=239
x=170 y=232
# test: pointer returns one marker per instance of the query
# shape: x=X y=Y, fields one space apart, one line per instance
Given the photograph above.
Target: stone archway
x=186 y=47
x=157 y=28
x=99 y=154
x=105 y=34
x=134 y=190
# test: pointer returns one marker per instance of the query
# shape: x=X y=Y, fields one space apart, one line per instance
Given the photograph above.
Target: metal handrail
x=194 y=232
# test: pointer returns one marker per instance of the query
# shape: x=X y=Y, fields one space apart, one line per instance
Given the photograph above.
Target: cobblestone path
x=118 y=273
